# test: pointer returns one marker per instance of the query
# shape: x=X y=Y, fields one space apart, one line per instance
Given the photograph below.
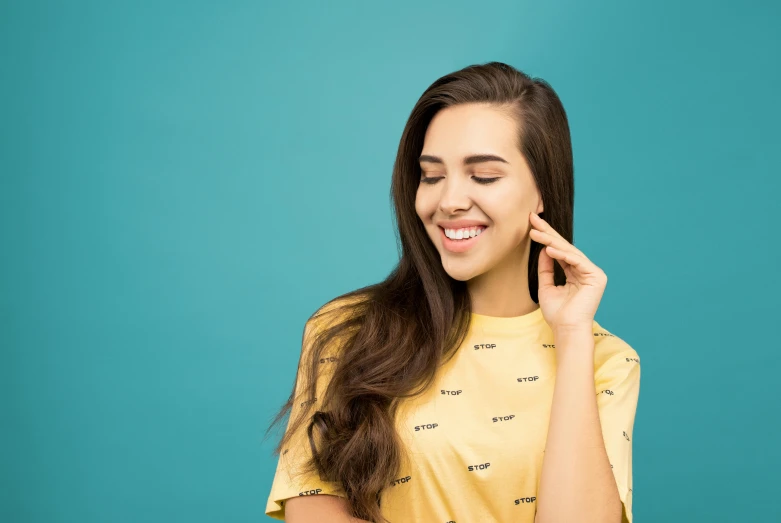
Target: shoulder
x=611 y=351
x=337 y=310
x=331 y=315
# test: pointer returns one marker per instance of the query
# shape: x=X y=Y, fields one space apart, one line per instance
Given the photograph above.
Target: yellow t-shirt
x=475 y=439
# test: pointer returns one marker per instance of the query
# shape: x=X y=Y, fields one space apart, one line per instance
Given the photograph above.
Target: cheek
x=508 y=215
x=498 y=207
x=423 y=206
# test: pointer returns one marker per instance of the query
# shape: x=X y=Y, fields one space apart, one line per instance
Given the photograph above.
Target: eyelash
x=483 y=181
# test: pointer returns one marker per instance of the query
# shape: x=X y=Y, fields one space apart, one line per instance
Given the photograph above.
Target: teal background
x=184 y=183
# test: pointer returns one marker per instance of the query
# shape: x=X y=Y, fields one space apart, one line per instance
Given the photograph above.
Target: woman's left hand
x=572 y=306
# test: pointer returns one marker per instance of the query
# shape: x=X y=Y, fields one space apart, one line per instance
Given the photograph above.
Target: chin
x=460 y=277
x=464 y=273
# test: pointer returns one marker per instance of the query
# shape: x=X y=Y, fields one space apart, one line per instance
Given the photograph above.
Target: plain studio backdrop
x=184 y=183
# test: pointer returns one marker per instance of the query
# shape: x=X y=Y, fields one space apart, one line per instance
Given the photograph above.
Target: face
x=474 y=178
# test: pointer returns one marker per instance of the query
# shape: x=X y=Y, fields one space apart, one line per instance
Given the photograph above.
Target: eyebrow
x=469 y=160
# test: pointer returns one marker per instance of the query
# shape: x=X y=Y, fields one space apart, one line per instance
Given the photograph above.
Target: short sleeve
x=617 y=379
x=291 y=479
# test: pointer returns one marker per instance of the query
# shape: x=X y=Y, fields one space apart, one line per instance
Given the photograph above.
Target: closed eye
x=434 y=179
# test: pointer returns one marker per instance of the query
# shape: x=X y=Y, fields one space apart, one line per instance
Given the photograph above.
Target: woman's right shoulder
x=331 y=314
x=337 y=309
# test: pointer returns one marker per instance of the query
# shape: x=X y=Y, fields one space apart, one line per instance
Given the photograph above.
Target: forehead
x=461 y=130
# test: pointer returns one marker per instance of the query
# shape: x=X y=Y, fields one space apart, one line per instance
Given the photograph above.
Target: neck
x=504 y=290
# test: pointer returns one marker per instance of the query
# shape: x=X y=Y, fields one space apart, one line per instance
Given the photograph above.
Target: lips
x=459 y=246
x=465 y=236
x=461 y=224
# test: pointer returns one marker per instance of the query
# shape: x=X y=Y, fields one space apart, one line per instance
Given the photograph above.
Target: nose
x=454 y=196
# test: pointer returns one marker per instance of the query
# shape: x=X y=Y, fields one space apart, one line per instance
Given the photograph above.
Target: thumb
x=545 y=269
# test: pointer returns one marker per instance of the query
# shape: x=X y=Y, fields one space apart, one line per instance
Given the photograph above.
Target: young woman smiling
x=472 y=384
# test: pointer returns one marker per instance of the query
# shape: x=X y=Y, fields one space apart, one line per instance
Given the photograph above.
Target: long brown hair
x=392 y=336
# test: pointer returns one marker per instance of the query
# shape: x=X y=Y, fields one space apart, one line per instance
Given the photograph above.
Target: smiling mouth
x=463 y=245
x=464 y=234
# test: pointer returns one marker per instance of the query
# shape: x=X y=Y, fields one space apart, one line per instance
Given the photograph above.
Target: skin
x=491 y=267
x=576 y=482
x=324 y=508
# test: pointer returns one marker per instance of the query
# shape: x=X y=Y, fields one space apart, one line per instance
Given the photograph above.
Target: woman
x=473 y=384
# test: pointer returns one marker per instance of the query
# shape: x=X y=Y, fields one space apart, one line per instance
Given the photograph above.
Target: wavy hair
x=393 y=335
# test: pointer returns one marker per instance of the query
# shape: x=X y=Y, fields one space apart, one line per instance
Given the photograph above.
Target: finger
x=540 y=223
x=581 y=265
x=563 y=256
x=543 y=226
x=545 y=270
x=556 y=242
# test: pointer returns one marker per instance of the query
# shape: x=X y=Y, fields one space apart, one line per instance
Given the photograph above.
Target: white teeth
x=460 y=234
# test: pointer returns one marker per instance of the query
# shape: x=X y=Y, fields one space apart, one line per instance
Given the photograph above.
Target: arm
x=288 y=499
x=576 y=483
x=322 y=508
